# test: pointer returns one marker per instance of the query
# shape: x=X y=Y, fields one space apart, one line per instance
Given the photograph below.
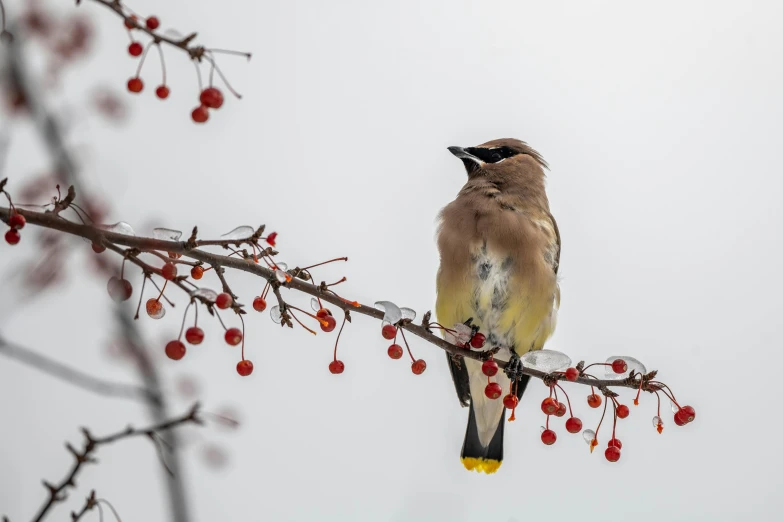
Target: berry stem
x=568 y=400
x=220 y=319
x=122 y=268
x=215 y=68
x=289 y=308
x=243 y=336
x=195 y=323
x=162 y=62
x=141 y=296
x=338 y=337
x=601 y=421
x=143 y=57
x=402 y=332
x=326 y=262
x=198 y=75
x=343 y=280
x=184 y=316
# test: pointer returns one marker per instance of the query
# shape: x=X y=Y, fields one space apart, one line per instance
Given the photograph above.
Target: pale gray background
x=661 y=122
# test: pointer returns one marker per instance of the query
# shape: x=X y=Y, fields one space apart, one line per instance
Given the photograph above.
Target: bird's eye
x=496 y=157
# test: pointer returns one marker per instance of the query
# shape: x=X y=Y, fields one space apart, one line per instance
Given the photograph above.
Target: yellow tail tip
x=481 y=465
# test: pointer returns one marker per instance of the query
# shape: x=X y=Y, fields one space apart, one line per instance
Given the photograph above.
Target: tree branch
x=71 y=375
x=50 y=221
x=57 y=493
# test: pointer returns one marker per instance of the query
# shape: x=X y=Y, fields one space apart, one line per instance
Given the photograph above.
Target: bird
x=499 y=248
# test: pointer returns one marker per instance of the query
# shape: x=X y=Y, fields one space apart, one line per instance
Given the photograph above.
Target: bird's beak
x=471 y=162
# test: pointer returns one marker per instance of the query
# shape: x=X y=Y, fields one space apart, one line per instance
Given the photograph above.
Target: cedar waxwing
x=499 y=254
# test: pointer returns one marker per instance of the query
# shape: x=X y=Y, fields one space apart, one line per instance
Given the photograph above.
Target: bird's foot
x=514 y=367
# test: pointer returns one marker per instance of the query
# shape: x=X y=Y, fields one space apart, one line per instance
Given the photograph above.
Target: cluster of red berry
x=209 y=98
x=16 y=222
x=389 y=332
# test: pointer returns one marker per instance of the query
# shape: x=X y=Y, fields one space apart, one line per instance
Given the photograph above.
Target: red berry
x=130 y=22
x=135 y=84
x=619 y=366
x=573 y=425
x=271 y=238
x=395 y=351
x=12 y=237
x=323 y=312
x=389 y=331
x=200 y=114
x=162 y=92
x=233 y=336
x=259 y=304
x=510 y=401
x=98 y=248
x=686 y=414
x=194 y=335
x=418 y=366
x=175 y=350
x=224 y=301
x=330 y=325
x=612 y=453
x=478 y=340
x=119 y=289
x=212 y=98
x=152 y=23
x=169 y=271
x=572 y=374
x=155 y=308
x=493 y=390
x=594 y=400
x=16 y=221
x=623 y=411
x=336 y=367
x=615 y=442
x=135 y=49
x=196 y=272
x=678 y=421
x=561 y=410
x=244 y=368
x=549 y=406
x=548 y=437
x=489 y=368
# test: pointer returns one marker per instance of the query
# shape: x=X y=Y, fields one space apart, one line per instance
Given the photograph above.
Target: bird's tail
x=476 y=457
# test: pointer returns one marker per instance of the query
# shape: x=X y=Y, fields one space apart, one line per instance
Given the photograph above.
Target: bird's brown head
x=503 y=157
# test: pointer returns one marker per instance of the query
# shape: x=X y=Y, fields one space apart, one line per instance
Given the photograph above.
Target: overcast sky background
x=662 y=126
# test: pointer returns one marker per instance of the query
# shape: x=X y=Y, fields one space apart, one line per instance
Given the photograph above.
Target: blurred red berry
x=510 y=401
x=594 y=400
x=548 y=437
x=619 y=366
x=489 y=368
x=169 y=271
x=493 y=391
x=573 y=425
x=130 y=22
x=162 y=92
x=152 y=23
x=175 y=350
x=98 y=249
x=196 y=272
x=194 y=335
x=135 y=85
x=271 y=238
x=233 y=336
x=336 y=367
x=135 y=49
x=200 y=114
x=549 y=406
x=244 y=368
x=16 y=221
x=418 y=366
x=395 y=351
x=615 y=442
x=572 y=374
x=259 y=304
x=330 y=325
x=12 y=237
x=478 y=340
x=561 y=410
x=612 y=453
x=623 y=411
x=212 y=98
x=223 y=301
x=389 y=331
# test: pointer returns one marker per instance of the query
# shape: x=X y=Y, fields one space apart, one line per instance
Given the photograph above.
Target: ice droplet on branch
x=462 y=334
x=119 y=227
x=281 y=266
x=589 y=436
x=314 y=304
x=166 y=234
x=206 y=293
x=242 y=232
x=408 y=313
x=275 y=314
x=546 y=360
x=391 y=312
x=633 y=364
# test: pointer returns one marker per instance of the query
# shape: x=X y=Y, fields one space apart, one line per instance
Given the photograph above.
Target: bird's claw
x=514 y=367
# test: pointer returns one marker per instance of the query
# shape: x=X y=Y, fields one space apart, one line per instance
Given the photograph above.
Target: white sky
x=662 y=125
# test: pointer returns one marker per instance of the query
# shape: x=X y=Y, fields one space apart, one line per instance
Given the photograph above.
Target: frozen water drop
x=546 y=360
x=242 y=232
x=675 y=408
x=281 y=276
x=589 y=436
x=119 y=289
x=275 y=314
x=633 y=364
x=155 y=309
x=120 y=227
x=206 y=293
x=391 y=312
x=462 y=334
x=166 y=234
x=408 y=313
x=281 y=266
x=314 y=304
x=657 y=421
